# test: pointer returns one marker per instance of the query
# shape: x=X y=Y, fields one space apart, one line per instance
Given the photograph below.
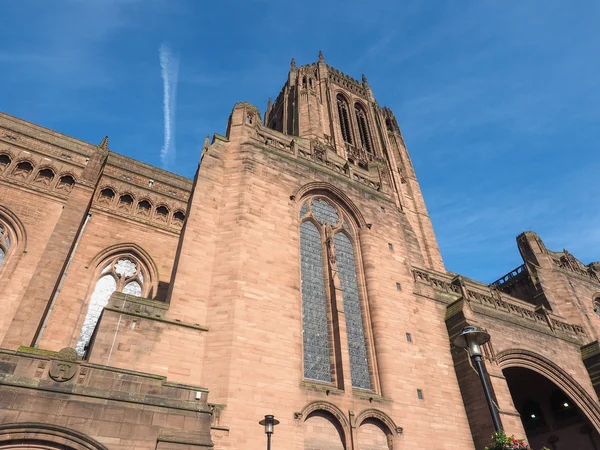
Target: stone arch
x=20 y=169
x=66 y=181
x=328 y=414
x=17 y=227
x=135 y=250
x=42 y=435
x=543 y=366
x=380 y=416
x=329 y=190
x=377 y=428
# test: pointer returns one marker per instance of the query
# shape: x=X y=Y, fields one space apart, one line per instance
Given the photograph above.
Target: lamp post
x=472 y=338
x=269 y=423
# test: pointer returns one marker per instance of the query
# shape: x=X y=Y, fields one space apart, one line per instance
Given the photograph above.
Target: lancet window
x=344 y=117
x=122 y=273
x=363 y=127
x=328 y=266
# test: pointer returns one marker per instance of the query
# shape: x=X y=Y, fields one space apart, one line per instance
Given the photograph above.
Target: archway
x=550 y=417
x=30 y=435
x=322 y=431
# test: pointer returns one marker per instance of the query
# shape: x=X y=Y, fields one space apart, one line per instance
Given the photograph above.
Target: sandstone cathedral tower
x=297 y=275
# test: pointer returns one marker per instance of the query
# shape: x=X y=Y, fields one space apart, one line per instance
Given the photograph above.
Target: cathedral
x=296 y=276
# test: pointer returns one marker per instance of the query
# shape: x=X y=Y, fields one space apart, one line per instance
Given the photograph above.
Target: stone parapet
x=115 y=407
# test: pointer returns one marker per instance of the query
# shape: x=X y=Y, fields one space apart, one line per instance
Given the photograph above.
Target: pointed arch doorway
x=550 y=417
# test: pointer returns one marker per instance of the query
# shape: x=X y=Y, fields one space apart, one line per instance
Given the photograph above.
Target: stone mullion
x=342 y=352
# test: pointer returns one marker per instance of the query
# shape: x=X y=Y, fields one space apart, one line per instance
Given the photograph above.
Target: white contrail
x=169 y=65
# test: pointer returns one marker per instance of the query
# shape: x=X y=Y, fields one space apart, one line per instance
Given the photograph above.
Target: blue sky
x=498 y=101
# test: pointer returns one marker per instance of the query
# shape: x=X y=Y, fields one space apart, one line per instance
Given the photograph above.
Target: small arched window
x=162 y=213
x=23 y=169
x=125 y=202
x=4 y=162
x=123 y=273
x=45 y=176
x=143 y=208
x=66 y=182
x=363 y=127
x=344 y=117
x=178 y=218
x=107 y=196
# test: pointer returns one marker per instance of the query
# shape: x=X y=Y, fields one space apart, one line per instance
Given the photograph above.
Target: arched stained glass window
x=315 y=328
x=120 y=274
x=327 y=256
x=363 y=127
x=344 y=117
x=357 y=347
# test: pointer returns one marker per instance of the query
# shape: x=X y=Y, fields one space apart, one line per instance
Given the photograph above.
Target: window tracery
x=363 y=127
x=66 y=183
x=5 y=242
x=4 y=162
x=324 y=229
x=143 y=208
x=122 y=273
x=162 y=213
x=344 y=119
x=125 y=202
x=106 y=196
x=178 y=218
x=23 y=169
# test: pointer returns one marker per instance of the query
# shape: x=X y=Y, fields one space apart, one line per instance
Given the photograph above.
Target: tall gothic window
x=344 y=118
x=363 y=127
x=120 y=274
x=327 y=256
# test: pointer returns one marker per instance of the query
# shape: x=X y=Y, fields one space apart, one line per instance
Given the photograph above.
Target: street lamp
x=269 y=423
x=472 y=338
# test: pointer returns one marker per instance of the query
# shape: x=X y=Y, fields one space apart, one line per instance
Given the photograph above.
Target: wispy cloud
x=169 y=65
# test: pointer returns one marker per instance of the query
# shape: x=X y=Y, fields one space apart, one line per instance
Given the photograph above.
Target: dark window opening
x=344 y=119
x=107 y=194
x=66 y=180
x=144 y=205
x=363 y=128
x=46 y=174
x=126 y=199
x=179 y=216
x=24 y=166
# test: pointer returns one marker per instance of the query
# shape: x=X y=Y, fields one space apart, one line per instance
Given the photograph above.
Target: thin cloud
x=169 y=66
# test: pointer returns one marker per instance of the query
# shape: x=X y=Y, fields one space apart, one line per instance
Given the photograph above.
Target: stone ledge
x=20 y=382
x=147 y=309
x=321 y=387
x=185 y=438
x=52 y=373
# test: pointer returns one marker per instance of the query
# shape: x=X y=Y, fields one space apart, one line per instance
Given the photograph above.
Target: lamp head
x=472 y=338
x=269 y=423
